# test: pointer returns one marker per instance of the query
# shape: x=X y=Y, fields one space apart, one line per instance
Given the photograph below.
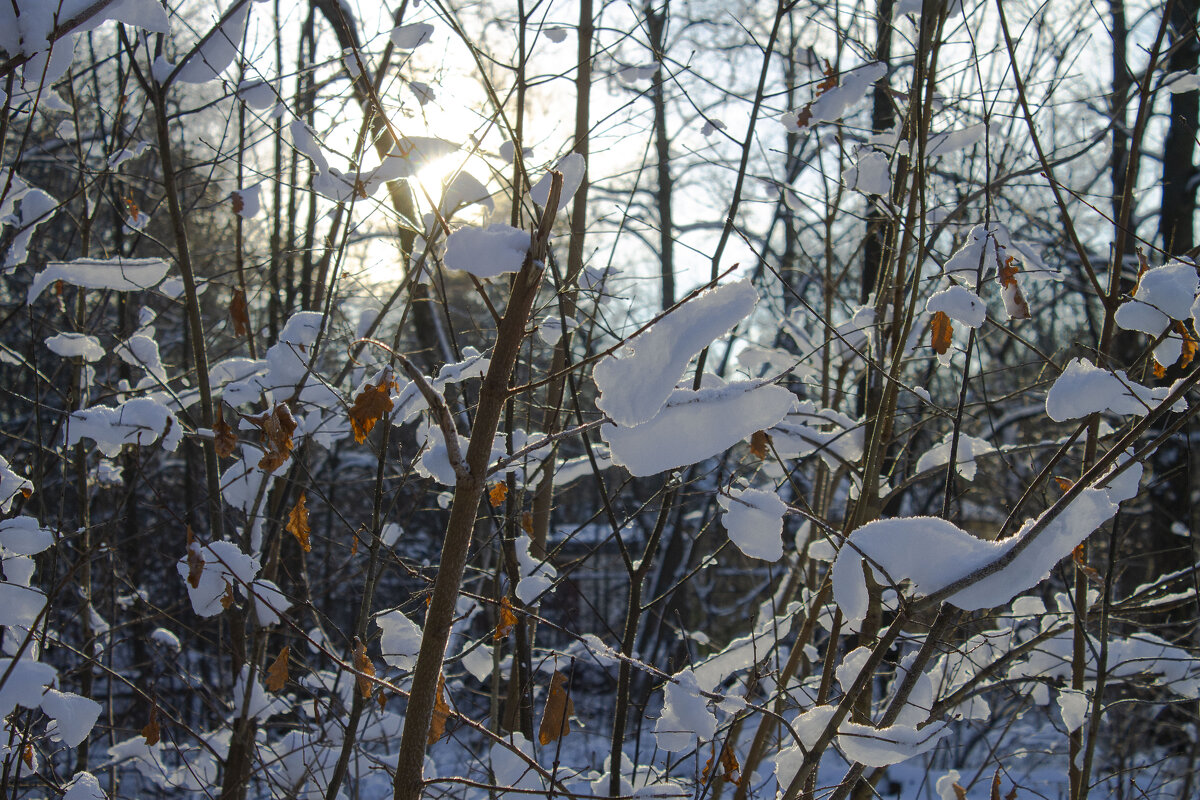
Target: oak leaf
x=498 y=492
x=558 y=712
x=362 y=663
x=152 y=731
x=297 y=524
x=507 y=620
x=942 y=333
x=239 y=312
x=441 y=712
x=371 y=405
x=277 y=673
x=224 y=439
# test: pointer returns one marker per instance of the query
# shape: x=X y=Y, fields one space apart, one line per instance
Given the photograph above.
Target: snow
x=216 y=54
x=969 y=448
x=986 y=249
x=20 y=606
x=487 y=252
x=73 y=716
x=118 y=274
x=636 y=380
x=141 y=421
x=513 y=772
x=871 y=174
x=25 y=682
x=685 y=718
x=808 y=429
x=572 y=166
x=166 y=638
x=36 y=208
x=257 y=94
x=537 y=577
x=1073 y=706
x=248 y=197
x=1163 y=293
x=1083 y=389
x=75 y=345
x=932 y=553
x=696 y=425
x=410 y=37
x=836 y=102
x=224 y=565
x=11 y=484
x=556 y=35
x=754 y=520
x=124 y=154
x=268 y=602
x=478 y=662
x=881 y=747
x=305 y=141
x=960 y=304
x=1180 y=82
x=401 y=640
x=84 y=786
x=951 y=141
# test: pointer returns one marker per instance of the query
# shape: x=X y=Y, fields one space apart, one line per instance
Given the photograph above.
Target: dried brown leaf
x=239 y=312
x=507 y=620
x=441 y=712
x=527 y=523
x=497 y=494
x=277 y=673
x=195 y=561
x=558 y=712
x=362 y=663
x=152 y=731
x=371 y=405
x=277 y=426
x=1014 y=300
x=942 y=333
x=224 y=439
x=759 y=441
x=297 y=524
x=27 y=755
x=227 y=598
x=959 y=792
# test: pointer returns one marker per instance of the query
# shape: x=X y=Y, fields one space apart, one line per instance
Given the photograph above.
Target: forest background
x=598 y=399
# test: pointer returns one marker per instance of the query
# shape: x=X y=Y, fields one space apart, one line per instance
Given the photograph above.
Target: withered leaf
x=227 y=598
x=362 y=663
x=759 y=441
x=277 y=426
x=942 y=333
x=195 y=561
x=441 y=712
x=370 y=406
x=239 y=205
x=224 y=439
x=1014 y=300
x=381 y=698
x=527 y=523
x=728 y=763
x=239 y=312
x=996 y=785
x=497 y=494
x=277 y=673
x=152 y=731
x=804 y=115
x=1089 y=572
x=558 y=712
x=27 y=755
x=507 y=620
x=959 y=792
x=1064 y=484
x=297 y=524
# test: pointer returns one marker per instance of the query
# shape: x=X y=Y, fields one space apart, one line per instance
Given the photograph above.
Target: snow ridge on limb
x=636 y=381
x=934 y=554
